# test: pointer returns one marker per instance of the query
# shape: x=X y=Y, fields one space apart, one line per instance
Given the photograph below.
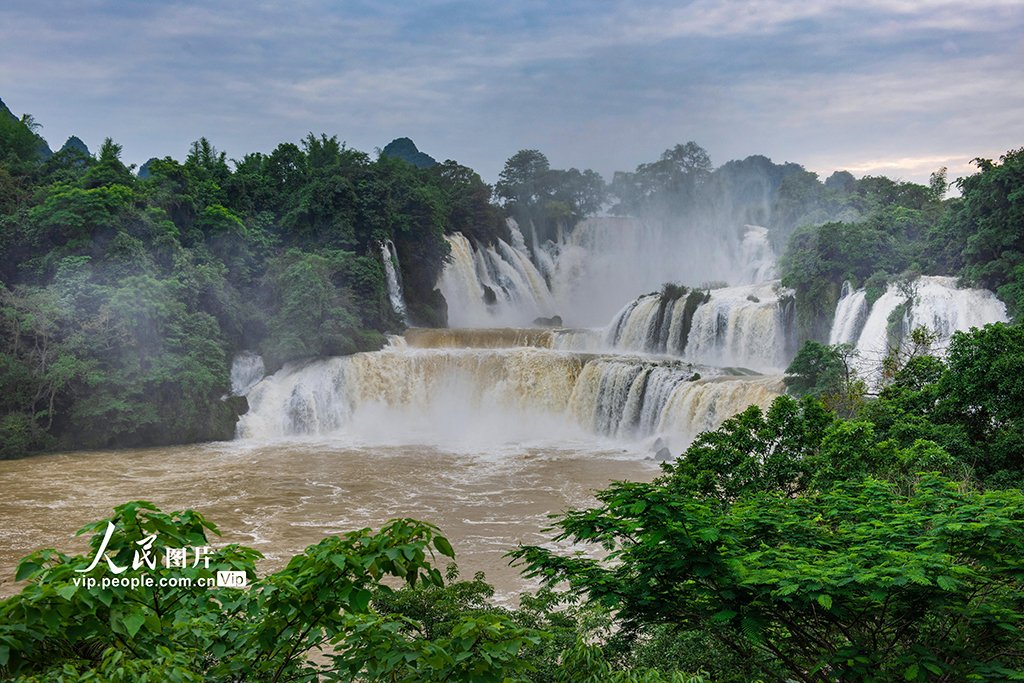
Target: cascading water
x=483 y=397
x=944 y=309
x=851 y=314
x=389 y=256
x=246 y=370
x=933 y=302
x=493 y=285
x=757 y=258
x=733 y=326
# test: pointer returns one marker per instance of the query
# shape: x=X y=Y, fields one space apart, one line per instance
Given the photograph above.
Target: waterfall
x=445 y=395
x=246 y=370
x=944 y=309
x=494 y=285
x=934 y=302
x=733 y=326
x=742 y=326
x=851 y=314
x=479 y=338
x=389 y=256
x=757 y=258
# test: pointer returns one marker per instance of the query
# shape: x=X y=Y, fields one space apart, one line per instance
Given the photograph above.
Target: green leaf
x=67 y=591
x=26 y=569
x=911 y=673
x=443 y=546
x=825 y=601
x=132 y=623
x=360 y=600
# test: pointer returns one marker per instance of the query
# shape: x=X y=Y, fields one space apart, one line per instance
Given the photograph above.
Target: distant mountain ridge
x=405 y=149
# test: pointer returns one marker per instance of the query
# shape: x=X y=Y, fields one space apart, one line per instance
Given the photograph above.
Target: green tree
x=987 y=222
x=310 y=308
x=863 y=581
x=826 y=372
x=323 y=599
x=108 y=169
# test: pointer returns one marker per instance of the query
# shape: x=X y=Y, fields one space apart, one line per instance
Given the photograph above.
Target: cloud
x=607 y=85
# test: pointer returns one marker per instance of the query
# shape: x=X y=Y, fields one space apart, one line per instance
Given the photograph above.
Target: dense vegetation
x=124 y=296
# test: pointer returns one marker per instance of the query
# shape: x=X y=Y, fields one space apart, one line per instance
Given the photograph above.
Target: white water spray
x=493 y=286
x=246 y=370
x=486 y=397
x=933 y=302
x=732 y=326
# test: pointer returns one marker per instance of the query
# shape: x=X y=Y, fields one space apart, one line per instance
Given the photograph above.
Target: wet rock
x=490 y=298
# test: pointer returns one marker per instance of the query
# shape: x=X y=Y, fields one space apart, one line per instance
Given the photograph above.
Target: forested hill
x=124 y=298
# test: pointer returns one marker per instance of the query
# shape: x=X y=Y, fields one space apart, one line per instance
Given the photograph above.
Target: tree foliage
x=862 y=581
x=545 y=201
x=987 y=222
x=124 y=297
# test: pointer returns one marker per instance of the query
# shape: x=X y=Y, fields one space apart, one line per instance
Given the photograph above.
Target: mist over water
x=467 y=399
x=606 y=261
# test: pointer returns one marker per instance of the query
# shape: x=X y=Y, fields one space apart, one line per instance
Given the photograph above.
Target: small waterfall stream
x=246 y=370
x=389 y=256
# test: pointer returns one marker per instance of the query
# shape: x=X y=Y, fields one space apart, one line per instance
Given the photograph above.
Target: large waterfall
x=494 y=285
x=448 y=396
x=933 y=302
x=731 y=326
x=669 y=364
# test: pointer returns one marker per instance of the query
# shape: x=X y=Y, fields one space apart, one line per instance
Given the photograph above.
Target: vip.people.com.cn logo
x=231 y=579
x=146 y=557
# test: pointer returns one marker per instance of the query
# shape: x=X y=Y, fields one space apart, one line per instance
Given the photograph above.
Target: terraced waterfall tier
x=478 y=396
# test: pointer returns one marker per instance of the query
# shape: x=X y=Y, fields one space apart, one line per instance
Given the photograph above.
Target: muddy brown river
x=281 y=497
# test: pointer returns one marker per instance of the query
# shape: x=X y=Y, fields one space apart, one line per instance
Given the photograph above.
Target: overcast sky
x=893 y=87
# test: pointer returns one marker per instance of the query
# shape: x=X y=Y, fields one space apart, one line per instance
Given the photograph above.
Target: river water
x=281 y=497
